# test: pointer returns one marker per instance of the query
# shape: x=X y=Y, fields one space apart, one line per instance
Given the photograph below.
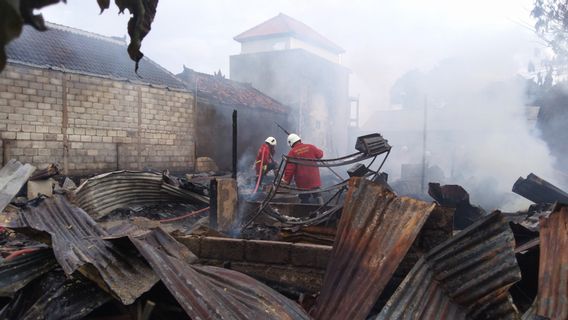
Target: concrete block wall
x=91 y=124
x=296 y=265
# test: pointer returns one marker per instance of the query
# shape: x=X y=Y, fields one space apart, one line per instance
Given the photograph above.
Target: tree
x=15 y=13
x=552 y=27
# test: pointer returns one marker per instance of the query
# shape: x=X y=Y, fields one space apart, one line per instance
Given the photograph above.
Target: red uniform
x=307 y=177
x=264 y=155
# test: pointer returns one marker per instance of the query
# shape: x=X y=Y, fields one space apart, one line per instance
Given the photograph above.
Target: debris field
x=150 y=245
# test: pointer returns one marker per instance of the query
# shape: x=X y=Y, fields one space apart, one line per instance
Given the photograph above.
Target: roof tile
x=76 y=50
x=221 y=91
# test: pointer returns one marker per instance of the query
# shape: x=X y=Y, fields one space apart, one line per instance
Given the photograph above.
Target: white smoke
x=477 y=128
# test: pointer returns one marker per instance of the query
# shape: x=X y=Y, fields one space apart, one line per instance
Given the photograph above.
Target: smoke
x=477 y=128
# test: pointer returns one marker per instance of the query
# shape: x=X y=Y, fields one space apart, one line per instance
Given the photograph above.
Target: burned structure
x=156 y=243
x=121 y=252
x=215 y=99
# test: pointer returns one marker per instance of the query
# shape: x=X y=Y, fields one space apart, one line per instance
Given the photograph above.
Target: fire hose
x=188 y=215
x=259 y=174
x=20 y=252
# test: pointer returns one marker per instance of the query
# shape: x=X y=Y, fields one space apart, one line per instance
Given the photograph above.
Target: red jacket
x=264 y=155
x=307 y=177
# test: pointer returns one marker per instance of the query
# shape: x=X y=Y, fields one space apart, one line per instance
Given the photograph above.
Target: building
x=292 y=63
x=216 y=98
x=72 y=97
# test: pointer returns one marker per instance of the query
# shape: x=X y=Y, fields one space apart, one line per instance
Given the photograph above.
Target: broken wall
x=90 y=124
x=253 y=127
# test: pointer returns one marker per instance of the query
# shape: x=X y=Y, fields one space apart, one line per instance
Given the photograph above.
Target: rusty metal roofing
x=539 y=190
x=12 y=177
x=467 y=276
x=552 y=298
x=55 y=296
x=78 y=246
x=207 y=292
x=374 y=234
x=104 y=193
x=73 y=299
x=17 y=272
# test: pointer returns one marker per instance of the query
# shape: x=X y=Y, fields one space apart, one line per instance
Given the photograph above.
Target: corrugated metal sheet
x=78 y=246
x=17 y=272
x=12 y=177
x=552 y=298
x=54 y=296
x=374 y=234
x=207 y=292
x=467 y=276
x=106 y=192
x=74 y=299
x=539 y=190
x=530 y=314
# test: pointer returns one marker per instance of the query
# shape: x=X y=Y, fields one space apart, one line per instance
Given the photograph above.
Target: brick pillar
x=139 y=140
x=65 y=124
x=227 y=199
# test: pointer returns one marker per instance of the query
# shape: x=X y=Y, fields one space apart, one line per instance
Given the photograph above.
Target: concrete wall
x=326 y=54
x=92 y=124
x=262 y=45
x=297 y=265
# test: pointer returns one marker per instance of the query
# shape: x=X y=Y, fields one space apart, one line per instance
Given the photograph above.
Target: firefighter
x=264 y=162
x=306 y=177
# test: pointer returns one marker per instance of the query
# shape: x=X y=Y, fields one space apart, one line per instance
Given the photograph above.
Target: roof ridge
x=286 y=21
x=84 y=33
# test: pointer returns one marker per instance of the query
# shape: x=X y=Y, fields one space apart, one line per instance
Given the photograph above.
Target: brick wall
x=91 y=124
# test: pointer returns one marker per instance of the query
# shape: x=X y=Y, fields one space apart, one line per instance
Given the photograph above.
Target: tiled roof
x=220 y=91
x=71 y=49
x=283 y=25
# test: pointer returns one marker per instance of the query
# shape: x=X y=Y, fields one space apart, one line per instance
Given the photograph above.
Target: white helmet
x=271 y=141
x=293 y=138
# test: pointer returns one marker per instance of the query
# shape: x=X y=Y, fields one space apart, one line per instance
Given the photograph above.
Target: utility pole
x=234 y=175
x=424 y=133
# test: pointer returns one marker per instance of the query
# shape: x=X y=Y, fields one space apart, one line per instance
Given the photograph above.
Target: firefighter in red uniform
x=306 y=177
x=264 y=161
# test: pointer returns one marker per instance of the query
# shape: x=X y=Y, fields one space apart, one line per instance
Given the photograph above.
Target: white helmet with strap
x=293 y=138
x=271 y=141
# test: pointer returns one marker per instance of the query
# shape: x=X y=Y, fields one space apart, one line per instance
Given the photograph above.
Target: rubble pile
x=140 y=245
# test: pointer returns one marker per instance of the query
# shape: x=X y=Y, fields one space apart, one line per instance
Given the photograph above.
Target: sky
x=382 y=39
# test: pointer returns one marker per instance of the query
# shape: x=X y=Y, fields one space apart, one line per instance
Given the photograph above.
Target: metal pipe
x=117 y=156
x=234 y=176
x=213 y=204
x=425 y=130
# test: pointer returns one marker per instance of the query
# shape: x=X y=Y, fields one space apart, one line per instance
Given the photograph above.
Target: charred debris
x=151 y=245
